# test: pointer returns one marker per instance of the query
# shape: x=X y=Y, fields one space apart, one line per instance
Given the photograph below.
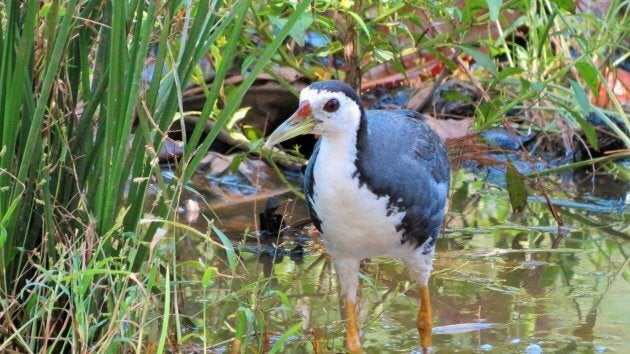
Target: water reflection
x=497 y=283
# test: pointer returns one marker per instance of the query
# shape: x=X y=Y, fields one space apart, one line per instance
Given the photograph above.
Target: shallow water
x=497 y=285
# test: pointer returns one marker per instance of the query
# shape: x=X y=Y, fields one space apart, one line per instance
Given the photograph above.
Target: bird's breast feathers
x=354 y=221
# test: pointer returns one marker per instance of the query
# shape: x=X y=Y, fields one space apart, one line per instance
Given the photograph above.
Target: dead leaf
x=449 y=129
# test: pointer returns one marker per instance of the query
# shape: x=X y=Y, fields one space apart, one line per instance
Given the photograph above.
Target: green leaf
x=453 y=96
x=243 y=314
x=229 y=247
x=400 y=67
x=485 y=61
x=568 y=5
x=255 y=145
x=383 y=54
x=589 y=74
x=282 y=296
x=252 y=133
x=360 y=22
x=216 y=55
x=279 y=344
x=587 y=128
x=580 y=97
x=450 y=64
x=483 y=113
x=516 y=189
x=298 y=30
x=10 y=210
x=236 y=162
x=237 y=117
x=209 y=274
x=494 y=7
x=525 y=85
x=3 y=236
x=509 y=72
x=543 y=37
x=330 y=49
x=164 y=332
x=45 y=9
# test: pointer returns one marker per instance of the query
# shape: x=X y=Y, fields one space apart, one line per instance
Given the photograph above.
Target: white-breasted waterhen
x=376 y=185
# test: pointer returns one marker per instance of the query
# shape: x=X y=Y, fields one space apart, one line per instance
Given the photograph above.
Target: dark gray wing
x=401 y=157
x=309 y=186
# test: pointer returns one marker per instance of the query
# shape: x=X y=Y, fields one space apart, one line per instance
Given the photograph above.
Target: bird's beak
x=301 y=122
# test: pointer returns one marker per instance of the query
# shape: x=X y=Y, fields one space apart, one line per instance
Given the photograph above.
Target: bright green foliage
x=562 y=43
x=82 y=117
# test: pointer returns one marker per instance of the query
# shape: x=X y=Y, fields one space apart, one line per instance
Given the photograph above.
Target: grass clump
x=82 y=121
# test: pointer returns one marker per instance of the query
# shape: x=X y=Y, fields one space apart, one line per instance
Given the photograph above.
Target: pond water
x=497 y=285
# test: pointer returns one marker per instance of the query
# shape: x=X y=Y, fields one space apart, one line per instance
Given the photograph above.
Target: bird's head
x=326 y=108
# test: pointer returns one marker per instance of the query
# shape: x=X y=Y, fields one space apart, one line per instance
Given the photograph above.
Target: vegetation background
x=90 y=89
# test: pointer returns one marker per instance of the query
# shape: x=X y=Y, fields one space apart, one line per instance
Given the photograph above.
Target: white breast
x=354 y=221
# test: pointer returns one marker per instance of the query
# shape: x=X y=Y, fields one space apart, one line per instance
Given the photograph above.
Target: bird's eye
x=332 y=105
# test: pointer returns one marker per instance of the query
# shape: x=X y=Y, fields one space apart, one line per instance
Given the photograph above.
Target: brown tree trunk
x=350 y=41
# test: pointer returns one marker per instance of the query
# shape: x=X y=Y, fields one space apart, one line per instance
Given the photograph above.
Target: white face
x=333 y=112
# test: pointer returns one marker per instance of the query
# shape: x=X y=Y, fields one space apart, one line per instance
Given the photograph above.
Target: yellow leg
x=425 y=320
x=353 y=343
x=236 y=346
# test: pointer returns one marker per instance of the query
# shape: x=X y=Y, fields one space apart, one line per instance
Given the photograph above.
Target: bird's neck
x=339 y=150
